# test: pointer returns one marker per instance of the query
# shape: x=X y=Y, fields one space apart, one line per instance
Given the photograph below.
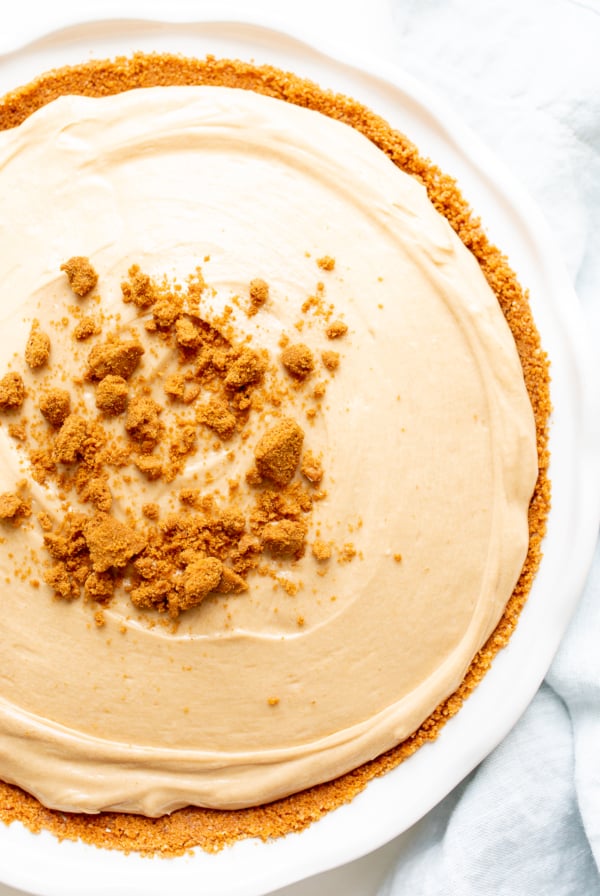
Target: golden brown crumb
x=245 y=371
x=111 y=543
x=12 y=391
x=199 y=579
x=114 y=357
x=259 y=294
x=142 y=421
x=111 y=395
x=167 y=309
x=178 y=388
x=184 y=442
x=326 y=263
x=151 y=467
x=298 y=360
x=175 y=386
x=13 y=507
x=312 y=468
x=253 y=477
x=81 y=275
x=187 y=333
x=151 y=510
x=284 y=537
x=147 y=595
x=42 y=465
x=18 y=431
x=331 y=360
x=217 y=416
x=191 y=393
x=70 y=440
x=55 y=405
x=139 y=289
x=67 y=541
x=231 y=582
x=96 y=490
x=85 y=328
x=45 y=521
x=321 y=550
x=336 y=329
x=273 y=701
x=37 y=350
x=278 y=451
x=61 y=582
x=189 y=496
x=346 y=553
x=99 y=586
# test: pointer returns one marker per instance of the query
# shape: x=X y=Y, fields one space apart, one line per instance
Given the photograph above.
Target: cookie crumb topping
x=136 y=429
x=81 y=275
x=37 y=350
x=259 y=295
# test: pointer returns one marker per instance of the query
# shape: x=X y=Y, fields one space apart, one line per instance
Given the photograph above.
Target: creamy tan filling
x=427 y=438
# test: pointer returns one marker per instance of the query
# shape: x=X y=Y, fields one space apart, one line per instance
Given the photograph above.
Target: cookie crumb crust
x=210 y=829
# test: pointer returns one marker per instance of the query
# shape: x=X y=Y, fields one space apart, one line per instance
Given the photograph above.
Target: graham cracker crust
x=209 y=829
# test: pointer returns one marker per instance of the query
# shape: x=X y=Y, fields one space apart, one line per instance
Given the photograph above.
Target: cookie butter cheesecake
x=273 y=451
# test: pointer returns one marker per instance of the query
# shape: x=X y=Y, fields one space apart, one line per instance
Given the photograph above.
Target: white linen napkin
x=526 y=75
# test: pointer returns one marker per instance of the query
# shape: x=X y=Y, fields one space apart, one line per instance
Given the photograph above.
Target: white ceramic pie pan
x=388 y=806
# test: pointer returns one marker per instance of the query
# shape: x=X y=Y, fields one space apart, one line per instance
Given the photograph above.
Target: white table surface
x=371 y=27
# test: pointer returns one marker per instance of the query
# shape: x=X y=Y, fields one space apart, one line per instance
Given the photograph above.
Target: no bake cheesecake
x=273 y=436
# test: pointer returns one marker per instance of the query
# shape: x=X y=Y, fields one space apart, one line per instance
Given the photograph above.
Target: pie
x=274 y=451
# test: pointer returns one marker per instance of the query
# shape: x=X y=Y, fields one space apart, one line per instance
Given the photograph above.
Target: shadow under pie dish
x=261 y=562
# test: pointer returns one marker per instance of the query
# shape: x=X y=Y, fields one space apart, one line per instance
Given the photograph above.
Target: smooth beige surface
x=427 y=439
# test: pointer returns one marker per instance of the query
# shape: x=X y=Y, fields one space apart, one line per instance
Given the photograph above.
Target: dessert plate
x=388 y=806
